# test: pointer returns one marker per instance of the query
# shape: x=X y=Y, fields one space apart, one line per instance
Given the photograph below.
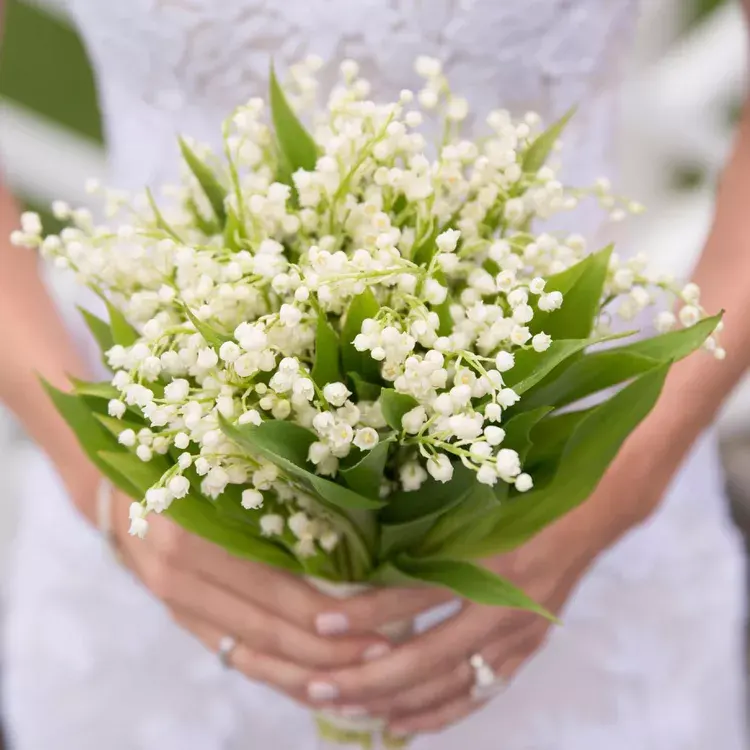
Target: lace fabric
x=650 y=655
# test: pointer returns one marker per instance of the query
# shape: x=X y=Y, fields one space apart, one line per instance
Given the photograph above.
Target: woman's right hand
x=280 y=623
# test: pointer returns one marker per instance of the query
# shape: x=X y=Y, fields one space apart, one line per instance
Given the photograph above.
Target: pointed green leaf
x=550 y=436
x=90 y=434
x=591 y=448
x=327 y=367
x=531 y=366
x=234 y=231
x=104 y=389
x=365 y=391
x=394 y=406
x=537 y=153
x=600 y=370
x=581 y=302
x=209 y=227
x=210 y=335
x=296 y=143
x=366 y=476
x=409 y=516
x=99 y=328
x=214 y=190
x=470 y=582
x=362 y=307
x=122 y=332
x=160 y=221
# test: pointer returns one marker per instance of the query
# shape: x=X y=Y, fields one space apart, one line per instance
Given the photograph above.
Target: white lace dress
x=650 y=656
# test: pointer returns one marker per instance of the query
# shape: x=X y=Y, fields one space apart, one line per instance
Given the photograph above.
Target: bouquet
x=353 y=352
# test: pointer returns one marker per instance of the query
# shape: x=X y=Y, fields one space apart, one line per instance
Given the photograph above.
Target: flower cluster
x=236 y=283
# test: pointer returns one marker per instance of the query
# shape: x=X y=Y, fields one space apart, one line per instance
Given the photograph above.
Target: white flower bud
x=440 y=468
x=366 y=438
x=251 y=499
x=508 y=464
x=179 y=486
x=434 y=292
x=271 y=524
x=487 y=475
x=413 y=420
x=252 y=416
x=524 y=483
x=494 y=435
x=229 y=352
x=336 y=393
x=504 y=361
x=116 y=408
x=541 y=342
x=138 y=527
x=689 y=315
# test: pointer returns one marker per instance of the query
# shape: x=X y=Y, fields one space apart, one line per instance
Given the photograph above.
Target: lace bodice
x=181 y=65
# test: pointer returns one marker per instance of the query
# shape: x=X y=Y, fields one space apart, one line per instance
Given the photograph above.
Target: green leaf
x=234 y=231
x=326 y=368
x=365 y=391
x=90 y=434
x=198 y=515
x=213 y=189
x=537 y=153
x=297 y=145
x=581 y=301
x=104 y=389
x=394 y=406
x=531 y=366
x=470 y=582
x=590 y=374
x=423 y=253
x=366 y=476
x=99 y=328
x=604 y=369
x=676 y=344
x=209 y=227
x=409 y=516
x=363 y=306
x=549 y=437
x=160 y=221
x=592 y=446
x=210 y=335
x=286 y=445
x=122 y=332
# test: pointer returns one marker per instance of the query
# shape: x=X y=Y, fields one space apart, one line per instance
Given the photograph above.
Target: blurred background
x=681 y=98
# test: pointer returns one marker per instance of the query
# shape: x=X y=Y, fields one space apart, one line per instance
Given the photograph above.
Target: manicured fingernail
x=352 y=712
x=332 y=623
x=376 y=651
x=322 y=691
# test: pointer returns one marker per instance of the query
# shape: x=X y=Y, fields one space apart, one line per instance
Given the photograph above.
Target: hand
x=278 y=620
x=425 y=684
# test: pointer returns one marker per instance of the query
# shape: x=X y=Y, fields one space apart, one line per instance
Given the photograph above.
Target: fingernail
x=331 y=623
x=376 y=651
x=322 y=691
x=352 y=712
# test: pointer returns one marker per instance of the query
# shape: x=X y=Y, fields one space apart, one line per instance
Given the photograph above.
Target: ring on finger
x=226 y=646
x=487 y=683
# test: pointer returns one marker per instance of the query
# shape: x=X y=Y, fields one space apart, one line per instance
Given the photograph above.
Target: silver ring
x=226 y=646
x=487 y=684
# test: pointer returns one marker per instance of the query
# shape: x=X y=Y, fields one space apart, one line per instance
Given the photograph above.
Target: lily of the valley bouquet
x=352 y=352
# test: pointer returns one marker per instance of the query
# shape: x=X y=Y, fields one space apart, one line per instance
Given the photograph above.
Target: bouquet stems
x=336 y=732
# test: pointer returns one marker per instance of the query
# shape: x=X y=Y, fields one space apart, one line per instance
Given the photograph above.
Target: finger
x=259 y=629
x=447 y=685
x=414 y=661
x=283 y=675
x=434 y=720
x=437 y=718
x=287 y=596
x=374 y=609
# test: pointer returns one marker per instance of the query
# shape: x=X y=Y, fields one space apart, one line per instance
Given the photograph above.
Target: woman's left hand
x=425 y=684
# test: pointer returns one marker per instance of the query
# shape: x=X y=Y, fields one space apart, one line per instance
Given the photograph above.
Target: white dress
x=651 y=653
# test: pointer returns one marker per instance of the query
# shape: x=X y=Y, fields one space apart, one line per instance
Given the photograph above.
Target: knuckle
x=160 y=580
